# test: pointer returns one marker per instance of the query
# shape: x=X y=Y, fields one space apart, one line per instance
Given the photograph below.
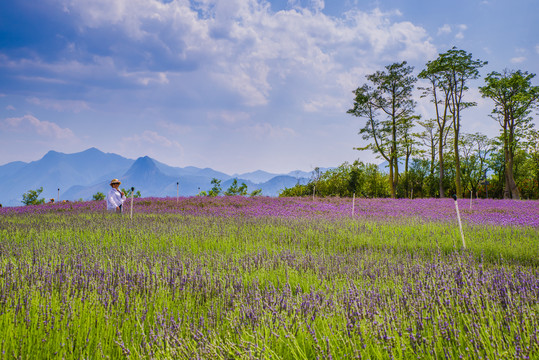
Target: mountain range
x=81 y=175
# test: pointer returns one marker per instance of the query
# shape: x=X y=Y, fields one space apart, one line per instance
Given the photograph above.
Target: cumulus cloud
x=446 y=29
x=242 y=46
x=32 y=125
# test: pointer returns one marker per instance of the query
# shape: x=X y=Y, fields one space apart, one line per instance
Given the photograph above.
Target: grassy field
x=268 y=279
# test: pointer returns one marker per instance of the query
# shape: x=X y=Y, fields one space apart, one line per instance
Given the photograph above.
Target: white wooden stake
x=460 y=223
x=314 y=189
x=177 y=192
x=353 y=204
x=471 y=194
x=132 y=198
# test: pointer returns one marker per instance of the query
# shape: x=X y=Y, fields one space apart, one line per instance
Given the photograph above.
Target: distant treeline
x=433 y=157
x=421 y=179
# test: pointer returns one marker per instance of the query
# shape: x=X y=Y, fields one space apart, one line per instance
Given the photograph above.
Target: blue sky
x=235 y=85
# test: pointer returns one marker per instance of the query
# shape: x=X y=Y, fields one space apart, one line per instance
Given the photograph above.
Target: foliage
x=216 y=189
x=32 y=197
x=365 y=180
x=234 y=189
x=514 y=98
x=256 y=192
x=388 y=108
x=98 y=196
x=127 y=193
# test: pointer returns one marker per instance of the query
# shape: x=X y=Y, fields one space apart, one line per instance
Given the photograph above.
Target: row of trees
x=386 y=104
x=482 y=170
x=437 y=157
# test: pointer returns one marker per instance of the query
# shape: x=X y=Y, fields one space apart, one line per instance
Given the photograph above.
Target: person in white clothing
x=115 y=197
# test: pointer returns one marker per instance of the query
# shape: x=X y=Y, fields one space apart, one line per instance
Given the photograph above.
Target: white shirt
x=114 y=199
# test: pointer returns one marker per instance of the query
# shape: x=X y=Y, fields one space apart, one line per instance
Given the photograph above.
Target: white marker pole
x=353 y=204
x=471 y=194
x=132 y=198
x=314 y=189
x=460 y=223
x=177 y=192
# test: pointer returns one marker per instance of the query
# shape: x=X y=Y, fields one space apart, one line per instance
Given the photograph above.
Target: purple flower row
x=475 y=212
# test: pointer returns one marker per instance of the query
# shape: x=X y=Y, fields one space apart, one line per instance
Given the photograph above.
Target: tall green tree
x=459 y=68
x=439 y=92
x=388 y=107
x=514 y=97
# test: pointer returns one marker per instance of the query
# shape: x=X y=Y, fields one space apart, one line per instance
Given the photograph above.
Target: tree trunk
x=458 y=183
x=441 y=158
x=511 y=187
x=391 y=182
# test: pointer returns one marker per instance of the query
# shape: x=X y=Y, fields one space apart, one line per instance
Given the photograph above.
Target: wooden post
x=132 y=198
x=353 y=204
x=460 y=223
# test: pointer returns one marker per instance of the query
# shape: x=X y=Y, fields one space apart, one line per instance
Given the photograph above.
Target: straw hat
x=115 y=181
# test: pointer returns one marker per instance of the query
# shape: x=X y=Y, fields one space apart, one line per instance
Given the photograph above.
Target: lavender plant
x=267 y=278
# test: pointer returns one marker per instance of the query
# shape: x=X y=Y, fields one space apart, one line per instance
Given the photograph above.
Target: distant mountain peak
x=143 y=165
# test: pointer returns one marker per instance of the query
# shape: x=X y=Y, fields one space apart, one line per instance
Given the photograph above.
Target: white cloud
x=518 y=60
x=460 y=34
x=31 y=124
x=242 y=45
x=60 y=105
x=146 y=78
x=10 y=107
x=537 y=49
x=446 y=29
x=266 y=130
x=150 y=138
x=229 y=117
x=174 y=128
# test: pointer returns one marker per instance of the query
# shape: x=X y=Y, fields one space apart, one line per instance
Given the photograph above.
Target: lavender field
x=270 y=278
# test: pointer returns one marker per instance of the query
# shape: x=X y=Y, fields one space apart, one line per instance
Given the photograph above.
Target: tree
x=128 y=193
x=32 y=197
x=532 y=165
x=216 y=189
x=388 y=108
x=257 y=192
x=429 y=138
x=458 y=68
x=475 y=149
x=439 y=90
x=234 y=189
x=451 y=72
x=513 y=97
x=98 y=196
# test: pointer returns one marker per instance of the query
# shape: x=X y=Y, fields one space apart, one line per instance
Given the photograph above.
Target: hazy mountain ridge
x=81 y=175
